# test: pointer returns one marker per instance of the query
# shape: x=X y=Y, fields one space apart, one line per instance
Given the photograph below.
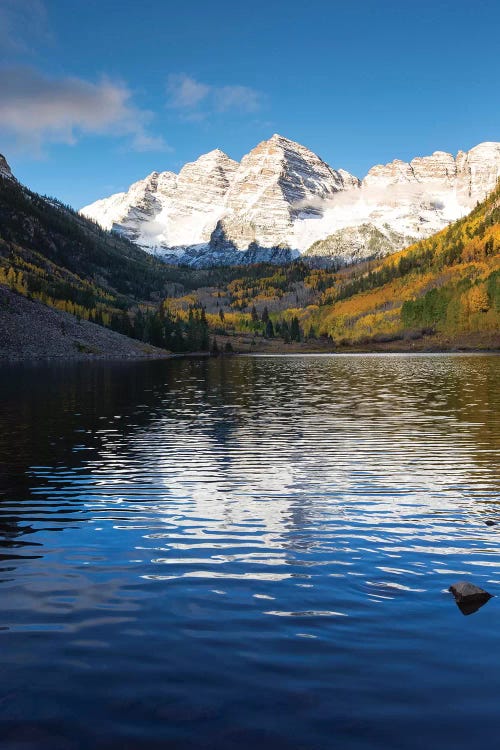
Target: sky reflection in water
x=249 y=551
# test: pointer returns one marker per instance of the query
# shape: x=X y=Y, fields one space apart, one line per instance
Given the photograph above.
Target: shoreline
x=484 y=342
x=295 y=352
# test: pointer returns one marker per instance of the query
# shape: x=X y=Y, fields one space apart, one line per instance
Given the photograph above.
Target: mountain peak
x=5 y=170
x=215 y=154
x=283 y=194
x=282 y=140
x=214 y=160
x=486 y=148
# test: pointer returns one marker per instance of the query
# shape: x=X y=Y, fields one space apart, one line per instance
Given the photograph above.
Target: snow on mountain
x=282 y=200
x=168 y=210
x=5 y=170
x=404 y=202
x=275 y=185
x=356 y=243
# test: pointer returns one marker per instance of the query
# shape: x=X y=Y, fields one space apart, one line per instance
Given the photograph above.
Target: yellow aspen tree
x=478 y=299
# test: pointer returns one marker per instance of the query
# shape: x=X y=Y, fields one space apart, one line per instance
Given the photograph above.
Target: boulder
x=469 y=598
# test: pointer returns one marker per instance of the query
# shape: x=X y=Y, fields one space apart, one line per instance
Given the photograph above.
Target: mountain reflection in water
x=249 y=551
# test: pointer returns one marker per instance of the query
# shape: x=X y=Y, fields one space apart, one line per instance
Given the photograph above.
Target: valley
x=441 y=293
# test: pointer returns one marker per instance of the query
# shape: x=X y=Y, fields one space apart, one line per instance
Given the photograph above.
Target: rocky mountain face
x=277 y=183
x=5 y=170
x=356 y=243
x=168 y=210
x=282 y=200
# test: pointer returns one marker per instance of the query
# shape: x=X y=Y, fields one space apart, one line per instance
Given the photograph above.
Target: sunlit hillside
x=444 y=288
x=448 y=285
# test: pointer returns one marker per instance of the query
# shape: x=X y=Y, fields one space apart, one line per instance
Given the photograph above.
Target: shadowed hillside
x=52 y=255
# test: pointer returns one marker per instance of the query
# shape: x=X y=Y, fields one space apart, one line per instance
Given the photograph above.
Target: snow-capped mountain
x=166 y=209
x=282 y=200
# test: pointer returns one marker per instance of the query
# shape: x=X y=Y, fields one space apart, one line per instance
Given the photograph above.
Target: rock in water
x=469 y=598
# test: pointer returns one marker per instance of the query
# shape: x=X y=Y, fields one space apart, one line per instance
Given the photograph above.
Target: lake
x=249 y=552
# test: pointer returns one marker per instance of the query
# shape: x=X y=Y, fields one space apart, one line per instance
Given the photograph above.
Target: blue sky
x=95 y=94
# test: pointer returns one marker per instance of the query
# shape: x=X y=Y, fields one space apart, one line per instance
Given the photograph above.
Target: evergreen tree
x=285 y=332
x=295 y=329
x=138 y=325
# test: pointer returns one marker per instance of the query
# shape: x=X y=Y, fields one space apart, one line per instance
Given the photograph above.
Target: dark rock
x=469 y=598
x=490 y=523
x=468 y=608
x=465 y=591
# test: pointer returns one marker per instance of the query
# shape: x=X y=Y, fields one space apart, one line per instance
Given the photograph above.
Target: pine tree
x=295 y=329
x=269 y=329
x=285 y=332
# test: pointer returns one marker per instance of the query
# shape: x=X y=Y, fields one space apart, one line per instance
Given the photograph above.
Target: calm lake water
x=249 y=553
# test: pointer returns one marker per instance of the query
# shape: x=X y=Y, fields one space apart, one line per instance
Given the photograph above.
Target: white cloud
x=186 y=92
x=197 y=100
x=36 y=109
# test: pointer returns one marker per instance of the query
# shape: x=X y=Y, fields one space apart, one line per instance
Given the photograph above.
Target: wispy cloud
x=197 y=100
x=185 y=92
x=36 y=110
x=23 y=23
x=143 y=141
x=239 y=98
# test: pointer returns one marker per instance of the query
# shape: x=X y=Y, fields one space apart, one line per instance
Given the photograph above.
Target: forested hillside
x=52 y=255
x=447 y=286
x=445 y=289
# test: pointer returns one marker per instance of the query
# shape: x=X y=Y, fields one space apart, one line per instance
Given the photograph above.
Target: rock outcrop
x=356 y=243
x=5 y=170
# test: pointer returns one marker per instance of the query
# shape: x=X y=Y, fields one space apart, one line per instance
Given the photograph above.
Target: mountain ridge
x=49 y=254
x=282 y=197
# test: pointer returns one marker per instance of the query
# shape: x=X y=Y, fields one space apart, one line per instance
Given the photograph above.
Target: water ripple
x=251 y=542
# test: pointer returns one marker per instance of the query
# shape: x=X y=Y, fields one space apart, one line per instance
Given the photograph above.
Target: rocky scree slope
x=31 y=330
